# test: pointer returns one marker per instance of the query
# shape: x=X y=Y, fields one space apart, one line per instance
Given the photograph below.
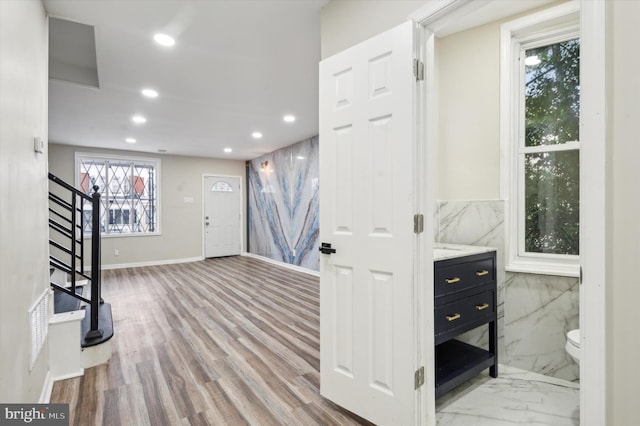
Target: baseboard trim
x=283 y=264
x=79 y=373
x=47 y=388
x=152 y=263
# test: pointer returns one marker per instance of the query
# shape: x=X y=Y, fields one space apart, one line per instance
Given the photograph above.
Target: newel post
x=95 y=265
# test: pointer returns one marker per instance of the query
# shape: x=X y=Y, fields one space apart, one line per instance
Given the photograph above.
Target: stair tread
x=62 y=302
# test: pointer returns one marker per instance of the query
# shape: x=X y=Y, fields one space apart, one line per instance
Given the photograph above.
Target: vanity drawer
x=469 y=311
x=455 y=275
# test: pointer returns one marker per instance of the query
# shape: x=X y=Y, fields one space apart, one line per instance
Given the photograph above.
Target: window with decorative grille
x=129 y=189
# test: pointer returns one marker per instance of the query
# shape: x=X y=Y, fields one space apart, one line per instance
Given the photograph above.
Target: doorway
x=447 y=17
x=222 y=216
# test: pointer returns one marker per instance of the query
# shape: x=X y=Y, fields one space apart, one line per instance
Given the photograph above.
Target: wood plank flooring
x=227 y=341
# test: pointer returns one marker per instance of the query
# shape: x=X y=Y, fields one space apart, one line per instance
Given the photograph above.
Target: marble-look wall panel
x=539 y=311
x=534 y=311
x=479 y=223
x=283 y=204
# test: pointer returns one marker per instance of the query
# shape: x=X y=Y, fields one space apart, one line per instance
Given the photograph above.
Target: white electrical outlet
x=116 y=252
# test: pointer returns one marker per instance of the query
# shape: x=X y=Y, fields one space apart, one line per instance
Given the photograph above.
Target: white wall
x=344 y=23
x=181 y=223
x=624 y=230
x=468 y=158
x=24 y=273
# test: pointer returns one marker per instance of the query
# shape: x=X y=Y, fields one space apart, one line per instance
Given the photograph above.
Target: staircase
x=74 y=221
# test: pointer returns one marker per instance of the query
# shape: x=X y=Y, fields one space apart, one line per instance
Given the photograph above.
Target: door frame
x=432 y=18
x=424 y=196
x=202 y=211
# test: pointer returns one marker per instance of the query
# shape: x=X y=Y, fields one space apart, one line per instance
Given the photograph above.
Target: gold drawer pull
x=453 y=317
x=483 y=306
x=452 y=280
x=482 y=273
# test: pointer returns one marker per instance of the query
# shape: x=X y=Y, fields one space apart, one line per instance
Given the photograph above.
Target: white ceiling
x=238 y=66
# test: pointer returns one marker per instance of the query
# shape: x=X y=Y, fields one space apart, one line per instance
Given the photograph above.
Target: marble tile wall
x=534 y=311
x=283 y=205
x=539 y=311
x=478 y=223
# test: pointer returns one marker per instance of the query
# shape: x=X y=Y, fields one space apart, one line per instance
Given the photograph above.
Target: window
x=221 y=186
x=540 y=112
x=128 y=188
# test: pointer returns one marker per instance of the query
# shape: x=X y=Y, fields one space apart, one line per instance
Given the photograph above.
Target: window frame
x=157 y=165
x=549 y=26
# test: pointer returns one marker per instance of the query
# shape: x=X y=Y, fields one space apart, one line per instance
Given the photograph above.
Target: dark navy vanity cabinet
x=464 y=298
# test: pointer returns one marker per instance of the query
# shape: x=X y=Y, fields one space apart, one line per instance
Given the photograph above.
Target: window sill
x=565 y=268
x=136 y=235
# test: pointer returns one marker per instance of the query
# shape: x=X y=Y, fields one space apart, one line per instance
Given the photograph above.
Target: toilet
x=573 y=345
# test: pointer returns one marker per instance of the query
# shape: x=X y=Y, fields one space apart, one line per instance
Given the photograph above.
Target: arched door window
x=221 y=186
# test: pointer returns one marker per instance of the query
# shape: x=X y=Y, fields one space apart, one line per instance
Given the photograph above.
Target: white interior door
x=222 y=218
x=367 y=351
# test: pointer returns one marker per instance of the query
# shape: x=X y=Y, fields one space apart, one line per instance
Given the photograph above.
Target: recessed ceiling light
x=300 y=157
x=228 y=150
x=138 y=119
x=289 y=118
x=130 y=140
x=256 y=135
x=164 y=39
x=149 y=93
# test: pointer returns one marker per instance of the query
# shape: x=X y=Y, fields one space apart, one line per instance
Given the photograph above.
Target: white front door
x=222 y=200
x=367 y=350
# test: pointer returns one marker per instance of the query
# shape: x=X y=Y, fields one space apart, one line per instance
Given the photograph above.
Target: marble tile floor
x=515 y=397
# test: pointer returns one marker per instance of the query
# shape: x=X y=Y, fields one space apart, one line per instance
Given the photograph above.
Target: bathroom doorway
x=451 y=17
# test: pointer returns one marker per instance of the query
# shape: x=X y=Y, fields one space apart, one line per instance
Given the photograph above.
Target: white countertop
x=442 y=251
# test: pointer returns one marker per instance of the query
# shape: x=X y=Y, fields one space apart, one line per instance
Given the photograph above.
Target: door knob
x=325 y=248
x=206 y=223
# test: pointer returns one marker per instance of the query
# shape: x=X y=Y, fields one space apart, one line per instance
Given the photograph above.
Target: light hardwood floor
x=226 y=341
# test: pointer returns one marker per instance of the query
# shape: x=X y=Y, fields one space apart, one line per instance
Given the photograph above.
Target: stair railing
x=67 y=224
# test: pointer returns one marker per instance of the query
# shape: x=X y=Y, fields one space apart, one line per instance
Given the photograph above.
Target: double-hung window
x=128 y=188
x=540 y=114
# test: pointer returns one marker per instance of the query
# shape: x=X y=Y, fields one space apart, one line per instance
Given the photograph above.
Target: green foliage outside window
x=552 y=178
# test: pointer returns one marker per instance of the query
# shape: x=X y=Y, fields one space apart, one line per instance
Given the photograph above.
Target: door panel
x=343 y=333
x=222 y=216
x=367 y=346
x=343 y=189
